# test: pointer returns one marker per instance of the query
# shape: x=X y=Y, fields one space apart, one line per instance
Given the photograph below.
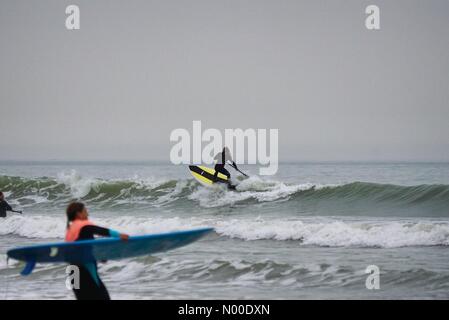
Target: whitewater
x=308 y=232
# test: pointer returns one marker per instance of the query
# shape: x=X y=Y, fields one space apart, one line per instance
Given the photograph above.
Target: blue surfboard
x=80 y=252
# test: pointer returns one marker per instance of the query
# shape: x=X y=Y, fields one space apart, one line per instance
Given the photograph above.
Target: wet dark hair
x=72 y=210
x=1 y=193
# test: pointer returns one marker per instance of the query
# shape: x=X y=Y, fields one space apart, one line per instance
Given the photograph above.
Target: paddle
x=15 y=211
x=235 y=167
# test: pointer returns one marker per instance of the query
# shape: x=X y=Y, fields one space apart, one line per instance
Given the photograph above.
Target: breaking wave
x=328 y=233
x=356 y=198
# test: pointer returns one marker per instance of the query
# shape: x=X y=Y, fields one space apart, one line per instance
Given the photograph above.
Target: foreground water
x=308 y=232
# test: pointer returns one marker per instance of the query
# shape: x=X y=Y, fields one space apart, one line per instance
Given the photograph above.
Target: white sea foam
x=36 y=199
x=33 y=226
x=339 y=233
x=173 y=195
x=256 y=188
x=5 y=263
x=329 y=233
x=79 y=186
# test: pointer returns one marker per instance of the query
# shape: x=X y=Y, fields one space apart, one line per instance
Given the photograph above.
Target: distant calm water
x=308 y=232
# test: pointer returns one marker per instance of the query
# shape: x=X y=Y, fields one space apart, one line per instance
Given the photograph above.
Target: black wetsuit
x=4 y=206
x=91 y=286
x=220 y=167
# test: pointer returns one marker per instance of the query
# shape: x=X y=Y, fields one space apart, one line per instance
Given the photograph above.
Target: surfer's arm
x=7 y=206
x=232 y=164
x=88 y=232
x=116 y=234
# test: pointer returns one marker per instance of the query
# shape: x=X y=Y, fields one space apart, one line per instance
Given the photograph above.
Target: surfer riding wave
x=222 y=159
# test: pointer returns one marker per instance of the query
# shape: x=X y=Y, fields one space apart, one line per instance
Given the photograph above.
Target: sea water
x=308 y=232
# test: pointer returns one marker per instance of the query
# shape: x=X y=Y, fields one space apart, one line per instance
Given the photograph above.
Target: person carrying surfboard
x=4 y=206
x=79 y=227
x=222 y=159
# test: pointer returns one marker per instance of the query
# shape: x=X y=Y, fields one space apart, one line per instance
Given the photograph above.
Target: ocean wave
x=329 y=233
x=57 y=192
x=224 y=269
x=137 y=193
x=342 y=234
x=264 y=272
x=171 y=276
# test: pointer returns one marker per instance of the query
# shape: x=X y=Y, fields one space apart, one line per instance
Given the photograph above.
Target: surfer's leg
x=103 y=292
x=86 y=285
x=90 y=288
x=225 y=172
x=218 y=167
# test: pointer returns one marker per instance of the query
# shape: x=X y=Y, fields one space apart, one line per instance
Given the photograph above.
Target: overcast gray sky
x=136 y=70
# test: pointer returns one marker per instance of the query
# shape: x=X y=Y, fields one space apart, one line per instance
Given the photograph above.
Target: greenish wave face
x=257 y=195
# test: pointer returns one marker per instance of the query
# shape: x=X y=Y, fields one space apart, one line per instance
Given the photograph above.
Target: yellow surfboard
x=205 y=175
